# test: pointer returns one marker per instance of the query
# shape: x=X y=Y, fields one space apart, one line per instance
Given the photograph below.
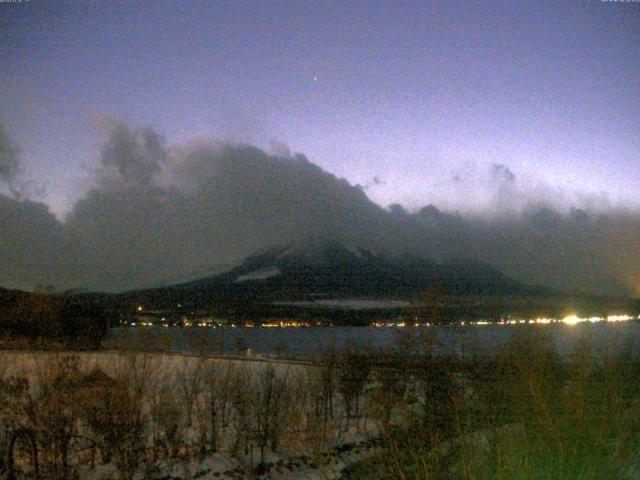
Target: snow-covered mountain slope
x=326 y=267
x=261 y=274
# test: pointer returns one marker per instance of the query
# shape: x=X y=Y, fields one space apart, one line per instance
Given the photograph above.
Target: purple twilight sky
x=413 y=100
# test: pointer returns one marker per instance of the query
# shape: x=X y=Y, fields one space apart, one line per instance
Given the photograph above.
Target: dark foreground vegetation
x=43 y=320
x=523 y=414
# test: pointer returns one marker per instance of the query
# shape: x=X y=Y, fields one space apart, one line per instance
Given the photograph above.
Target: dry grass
x=525 y=414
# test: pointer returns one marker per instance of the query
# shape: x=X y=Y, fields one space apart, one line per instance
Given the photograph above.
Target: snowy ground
x=173 y=374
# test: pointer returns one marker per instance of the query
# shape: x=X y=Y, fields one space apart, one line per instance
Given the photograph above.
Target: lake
x=482 y=339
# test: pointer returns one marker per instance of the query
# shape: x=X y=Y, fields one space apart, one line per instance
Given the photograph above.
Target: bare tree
x=190 y=383
x=113 y=413
x=56 y=417
x=16 y=421
x=213 y=403
x=240 y=390
x=354 y=370
x=30 y=437
x=315 y=395
x=388 y=393
x=166 y=414
x=328 y=374
x=271 y=395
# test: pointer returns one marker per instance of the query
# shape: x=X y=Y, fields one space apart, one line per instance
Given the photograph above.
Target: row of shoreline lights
x=569 y=320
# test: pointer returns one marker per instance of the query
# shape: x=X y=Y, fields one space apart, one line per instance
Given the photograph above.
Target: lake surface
x=482 y=339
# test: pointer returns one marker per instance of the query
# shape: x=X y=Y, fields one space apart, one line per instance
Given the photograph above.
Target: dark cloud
x=375 y=182
x=578 y=215
x=430 y=215
x=577 y=250
x=397 y=209
x=9 y=163
x=158 y=215
x=279 y=149
x=132 y=157
x=216 y=204
x=501 y=173
x=34 y=246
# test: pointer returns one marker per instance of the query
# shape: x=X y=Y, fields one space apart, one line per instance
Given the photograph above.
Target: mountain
x=7 y=296
x=326 y=268
x=323 y=279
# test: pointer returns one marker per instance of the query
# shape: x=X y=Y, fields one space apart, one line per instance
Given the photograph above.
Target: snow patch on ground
x=262 y=274
x=327 y=465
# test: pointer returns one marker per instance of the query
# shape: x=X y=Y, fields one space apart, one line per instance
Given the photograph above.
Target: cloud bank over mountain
x=159 y=213
x=9 y=163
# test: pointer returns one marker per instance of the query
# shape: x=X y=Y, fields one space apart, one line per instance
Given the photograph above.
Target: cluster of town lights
x=568 y=320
